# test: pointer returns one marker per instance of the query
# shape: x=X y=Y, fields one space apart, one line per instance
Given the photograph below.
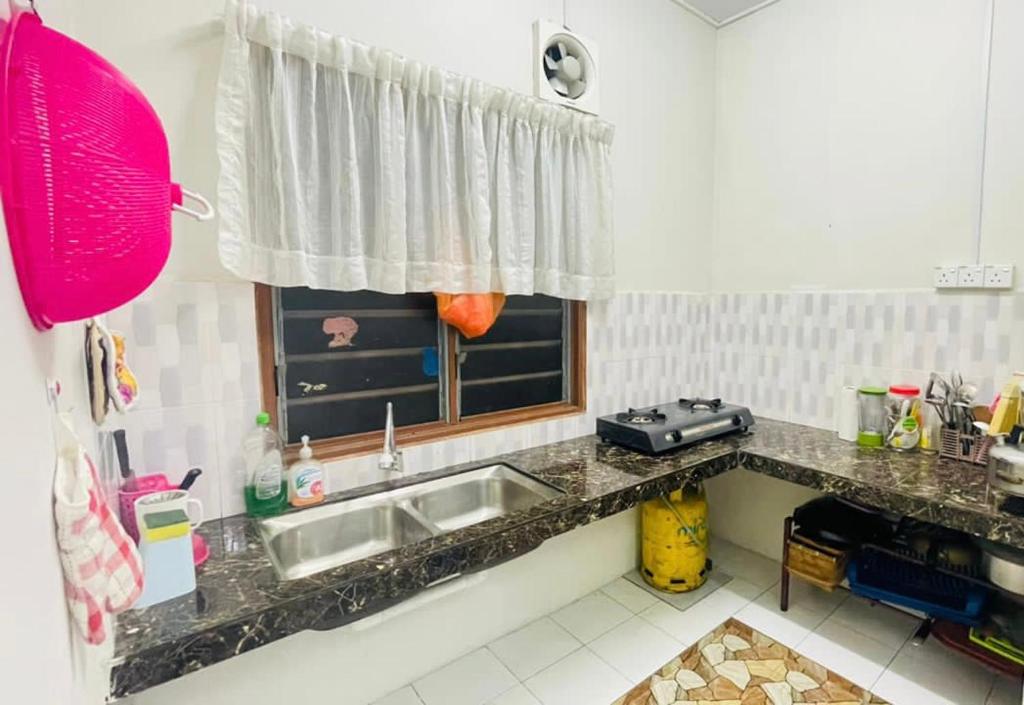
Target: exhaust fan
x=566 y=67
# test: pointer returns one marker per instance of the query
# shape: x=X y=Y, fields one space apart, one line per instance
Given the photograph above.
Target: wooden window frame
x=371 y=442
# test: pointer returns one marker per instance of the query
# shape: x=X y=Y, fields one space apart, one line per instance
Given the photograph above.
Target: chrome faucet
x=390 y=456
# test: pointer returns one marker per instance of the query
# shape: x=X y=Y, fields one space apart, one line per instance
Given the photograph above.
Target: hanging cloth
x=347 y=167
x=102 y=566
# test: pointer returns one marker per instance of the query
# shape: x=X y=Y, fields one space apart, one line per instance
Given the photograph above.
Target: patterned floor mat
x=735 y=665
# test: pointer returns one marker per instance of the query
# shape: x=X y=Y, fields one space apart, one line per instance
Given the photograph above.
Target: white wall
x=33 y=623
x=657 y=88
x=848 y=143
x=1004 y=158
x=41 y=658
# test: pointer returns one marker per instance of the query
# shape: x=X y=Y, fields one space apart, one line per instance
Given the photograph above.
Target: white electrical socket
x=945 y=277
x=970 y=276
x=998 y=276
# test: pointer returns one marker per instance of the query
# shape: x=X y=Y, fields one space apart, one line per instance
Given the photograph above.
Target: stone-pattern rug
x=735 y=665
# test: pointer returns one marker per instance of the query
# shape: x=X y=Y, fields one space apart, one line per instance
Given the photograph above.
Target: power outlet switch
x=970 y=276
x=944 y=277
x=998 y=276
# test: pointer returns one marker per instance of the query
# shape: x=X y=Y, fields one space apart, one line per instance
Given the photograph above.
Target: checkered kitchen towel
x=102 y=567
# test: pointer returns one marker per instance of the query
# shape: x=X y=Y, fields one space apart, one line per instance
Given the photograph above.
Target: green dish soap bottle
x=266 y=489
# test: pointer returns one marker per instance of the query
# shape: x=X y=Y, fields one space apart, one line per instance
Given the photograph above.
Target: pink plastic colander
x=84 y=174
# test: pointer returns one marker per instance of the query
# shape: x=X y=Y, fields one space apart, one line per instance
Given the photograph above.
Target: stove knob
x=737 y=421
x=673 y=436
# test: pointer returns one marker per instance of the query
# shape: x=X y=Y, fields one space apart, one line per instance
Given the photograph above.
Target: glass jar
x=903 y=417
x=871 y=415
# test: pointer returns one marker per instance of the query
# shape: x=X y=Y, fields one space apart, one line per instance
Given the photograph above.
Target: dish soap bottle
x=265 y=488
x=305 y=478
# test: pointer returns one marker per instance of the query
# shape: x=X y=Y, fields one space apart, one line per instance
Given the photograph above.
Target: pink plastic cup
x=147 y=484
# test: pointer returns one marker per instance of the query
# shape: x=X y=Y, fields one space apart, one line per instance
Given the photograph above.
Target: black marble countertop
x=240 y=604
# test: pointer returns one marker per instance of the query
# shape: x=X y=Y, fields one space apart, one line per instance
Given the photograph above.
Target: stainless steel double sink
x=317 y=539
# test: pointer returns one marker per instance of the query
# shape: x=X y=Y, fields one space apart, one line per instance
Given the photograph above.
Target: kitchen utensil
x=1006 y=468
x=1003 y=565
x=969 y=642
x=190 y=477
x=84 y=175
x=123 y=462
x=847 y=423
x=871 y=414
x=169 y=500
x=200 y=550
x=167 y=554
x=95 y=368
x=880 y=576
x=1008 y=408
x=971 y=448
x=937 y=390
x=903 y=417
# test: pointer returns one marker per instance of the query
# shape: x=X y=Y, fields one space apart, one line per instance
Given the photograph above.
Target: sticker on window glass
x=343 y=329
x=430 y=363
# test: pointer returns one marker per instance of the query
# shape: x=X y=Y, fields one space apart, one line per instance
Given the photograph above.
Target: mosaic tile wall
x=786 y=355
x=193 y=347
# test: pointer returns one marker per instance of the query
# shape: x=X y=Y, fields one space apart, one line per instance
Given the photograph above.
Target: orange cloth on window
x=472 y=314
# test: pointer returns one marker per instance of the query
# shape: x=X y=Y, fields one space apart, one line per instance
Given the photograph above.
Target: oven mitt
x=472 y=314
x=102 y=567
x=98 y=397
x=122 y=387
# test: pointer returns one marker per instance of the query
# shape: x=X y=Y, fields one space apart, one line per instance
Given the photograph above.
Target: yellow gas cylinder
x=675 y=540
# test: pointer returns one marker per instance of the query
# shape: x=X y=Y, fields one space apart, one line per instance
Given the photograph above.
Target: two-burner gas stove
x=673 y=425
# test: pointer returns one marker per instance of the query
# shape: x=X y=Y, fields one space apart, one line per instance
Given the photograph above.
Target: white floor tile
x=806 y=596
x=471 y=680
x=405 y=696
x=935 y=675
x=590 y=617
x=746 y=565
x=517 y=696
x=687 y=626
x=636 y=648
x=579 y=679
x=633 y=598
x=852 y=655
x=1005 y=691
x=788 y=628
x=679 y=625
x=880 y=622
x=534 y=647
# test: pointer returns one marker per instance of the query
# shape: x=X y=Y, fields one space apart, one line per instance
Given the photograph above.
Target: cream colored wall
x=1003 y=222
x=848 y=142
x=33 y=623
x=657 y=87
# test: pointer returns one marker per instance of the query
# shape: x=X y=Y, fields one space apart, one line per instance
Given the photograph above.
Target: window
x=330 y=361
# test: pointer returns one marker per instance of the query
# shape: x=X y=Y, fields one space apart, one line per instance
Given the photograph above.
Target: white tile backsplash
x=785 y=354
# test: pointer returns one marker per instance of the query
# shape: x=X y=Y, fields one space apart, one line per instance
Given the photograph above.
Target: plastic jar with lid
x=903 y=416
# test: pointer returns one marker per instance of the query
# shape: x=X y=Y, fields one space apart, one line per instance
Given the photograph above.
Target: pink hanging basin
x=84 y=175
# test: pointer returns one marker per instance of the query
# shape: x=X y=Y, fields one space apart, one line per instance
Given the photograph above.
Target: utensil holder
x=967 y=447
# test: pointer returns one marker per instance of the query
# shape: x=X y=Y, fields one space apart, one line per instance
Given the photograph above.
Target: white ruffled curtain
x=348 y=167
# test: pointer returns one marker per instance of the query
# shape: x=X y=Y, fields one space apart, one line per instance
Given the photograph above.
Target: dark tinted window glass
x=519 y=362
x=344 y=355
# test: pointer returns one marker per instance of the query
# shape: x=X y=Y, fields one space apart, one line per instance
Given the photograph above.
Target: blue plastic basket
x=879 y=576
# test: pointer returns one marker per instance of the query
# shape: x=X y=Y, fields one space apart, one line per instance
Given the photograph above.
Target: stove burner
x=699 y=404
x=639 y=417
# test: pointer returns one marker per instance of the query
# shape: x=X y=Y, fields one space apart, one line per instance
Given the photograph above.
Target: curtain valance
x=345 y=166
